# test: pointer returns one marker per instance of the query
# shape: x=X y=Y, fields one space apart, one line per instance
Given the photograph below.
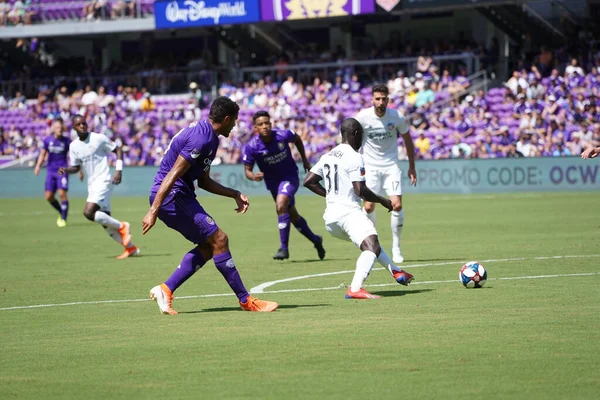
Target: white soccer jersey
x=91 y=154
x=339 y=168
x=380 y=138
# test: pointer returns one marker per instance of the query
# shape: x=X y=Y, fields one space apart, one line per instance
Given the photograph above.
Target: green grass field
x=534 y=338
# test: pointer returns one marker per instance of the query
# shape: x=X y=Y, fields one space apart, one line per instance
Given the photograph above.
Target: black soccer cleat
x=320 y=249
x=282 y=254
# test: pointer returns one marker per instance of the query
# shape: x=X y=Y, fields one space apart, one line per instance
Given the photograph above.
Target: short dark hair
x=380 y=88
x=259 y=114
x=349 y=126
x=59 y=119
x=223 y=107
x=77 y=116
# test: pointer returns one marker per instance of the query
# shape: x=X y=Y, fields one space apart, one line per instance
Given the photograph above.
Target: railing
x=378 y=68
x=158 y=82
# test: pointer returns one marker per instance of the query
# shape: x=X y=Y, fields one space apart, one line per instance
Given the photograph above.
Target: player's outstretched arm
x=362 y=191
x=207 y=183
x=300 y=147
x=592 y=152
x=40 y=161
x=410 y=152
x=313 y=183
x=73 y=169
x=248 y=171
x=179 y=168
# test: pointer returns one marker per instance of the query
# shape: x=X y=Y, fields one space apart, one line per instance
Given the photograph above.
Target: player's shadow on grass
x=312 y=260
x=225 y=309
x=395 y=293
x=409 y=260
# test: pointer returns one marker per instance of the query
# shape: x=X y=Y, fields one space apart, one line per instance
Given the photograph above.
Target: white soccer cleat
x=164 y=298
x=397 y=256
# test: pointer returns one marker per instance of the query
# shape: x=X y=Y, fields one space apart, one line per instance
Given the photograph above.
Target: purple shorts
x=54 y=181
x=287 y=187
x=185 y=215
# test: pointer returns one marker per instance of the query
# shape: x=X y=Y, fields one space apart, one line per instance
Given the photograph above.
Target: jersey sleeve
x=108 y=144
x=73 y=160
x=402 y=124
x=248 y=158
x=317 y=169
x=290 y=136
x=356 y=168
x=192 y=149
x=46 y=144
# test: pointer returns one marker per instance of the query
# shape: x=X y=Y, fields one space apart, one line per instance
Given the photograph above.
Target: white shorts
x=384 y=181
x=100 y=194
x=354 y=227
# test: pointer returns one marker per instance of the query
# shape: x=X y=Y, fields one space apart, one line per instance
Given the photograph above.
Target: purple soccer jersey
x=197 y=144
x=58 y=151
x=180 y=211
x=274 y=159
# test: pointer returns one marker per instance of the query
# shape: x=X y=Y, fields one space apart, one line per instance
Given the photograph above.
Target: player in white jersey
x=89 y=152
x=343 y=173
x=382 y=127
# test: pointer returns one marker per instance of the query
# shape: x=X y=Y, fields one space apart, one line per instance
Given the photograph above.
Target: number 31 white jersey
x=339 y=168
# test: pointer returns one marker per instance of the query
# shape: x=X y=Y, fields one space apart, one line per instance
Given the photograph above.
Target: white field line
x=261 y=288
x=293 y=291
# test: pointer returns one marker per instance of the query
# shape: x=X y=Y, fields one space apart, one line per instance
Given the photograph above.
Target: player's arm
x=312 y=182
x=181 y=166
x=410 y=151
x=40 y=161
x=249 y=172
x=75 y=165
x=118 y=165
x=207 y=183
x=592 y=152
x=300 y=146
x=362 y=191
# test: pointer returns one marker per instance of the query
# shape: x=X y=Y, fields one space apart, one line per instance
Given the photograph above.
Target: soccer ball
x=472 y=275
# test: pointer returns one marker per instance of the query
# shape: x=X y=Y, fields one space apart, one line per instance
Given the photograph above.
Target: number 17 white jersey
x=339 y=168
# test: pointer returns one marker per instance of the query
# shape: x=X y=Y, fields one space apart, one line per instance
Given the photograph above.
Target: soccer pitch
x=531 y=333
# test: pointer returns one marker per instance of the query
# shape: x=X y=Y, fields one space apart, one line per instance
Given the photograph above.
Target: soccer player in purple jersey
x=187 y=159
x=271 y=151
x=56 y=149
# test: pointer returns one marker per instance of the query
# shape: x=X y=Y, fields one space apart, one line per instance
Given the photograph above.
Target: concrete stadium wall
x=442 y=176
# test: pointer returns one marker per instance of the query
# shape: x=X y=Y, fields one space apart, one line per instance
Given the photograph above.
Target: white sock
x=372 y=216
x=104 y=219
x=387 y=263
x=363 y=268
x=116 y=236
x=397 y=222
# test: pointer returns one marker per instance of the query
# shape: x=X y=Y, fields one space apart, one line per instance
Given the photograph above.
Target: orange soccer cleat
x=125 y=234
x=361 y=294
x=403 y=277
x=257 y=305
x=129 y=252
x=164 y=298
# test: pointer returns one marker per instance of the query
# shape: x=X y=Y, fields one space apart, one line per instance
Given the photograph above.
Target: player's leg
x=97 y=209
x=401 y=276
x=282 y=202
x=219 y=245
x=302 y=227
x=362 y=233
x=50 y=190
x=373 y=182
x=393 y=187
x=63 y=187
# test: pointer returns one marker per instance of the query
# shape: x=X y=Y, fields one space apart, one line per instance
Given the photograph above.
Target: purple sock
x=284 y=230
x=191 y=263
x=64 y=209
x=54 y=203
x=226 y=267
x=302 y=227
